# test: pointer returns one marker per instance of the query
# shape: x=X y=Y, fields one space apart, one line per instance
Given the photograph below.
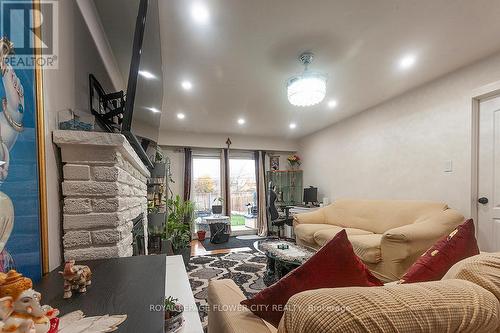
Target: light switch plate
x=448 y=166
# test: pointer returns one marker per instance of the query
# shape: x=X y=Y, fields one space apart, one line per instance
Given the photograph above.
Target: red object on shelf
x=201 y=235
x=54 y=325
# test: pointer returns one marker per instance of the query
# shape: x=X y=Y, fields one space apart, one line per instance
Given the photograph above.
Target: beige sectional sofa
x=388 y=235
x=466 y=300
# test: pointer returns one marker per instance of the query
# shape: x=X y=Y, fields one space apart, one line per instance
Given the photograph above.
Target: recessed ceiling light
x=293 y=125
x=407 y=61
x=181 y=116
x=147 y=75
x=332 y=103
x=153 y=109
x=186 y=85
x=241 y=121
x=200 y=13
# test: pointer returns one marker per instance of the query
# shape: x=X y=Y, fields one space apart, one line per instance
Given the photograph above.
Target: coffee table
x=282 y=260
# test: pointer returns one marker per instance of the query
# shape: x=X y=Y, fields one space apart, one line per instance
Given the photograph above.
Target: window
x=243 y=189
x=206 y=184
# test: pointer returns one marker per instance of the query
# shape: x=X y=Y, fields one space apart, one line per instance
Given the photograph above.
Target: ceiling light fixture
x=292 y=125
x=241 y=121
x=332 y=103
x=186 y=85
x=407 y=61
x=308 y=88
x=181 y=116
x=147 y=75
x=200 y=13
x=153 y=109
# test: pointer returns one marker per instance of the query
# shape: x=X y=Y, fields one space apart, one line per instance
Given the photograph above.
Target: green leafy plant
x=179 y=221
x=219 y=199
x=172 y=308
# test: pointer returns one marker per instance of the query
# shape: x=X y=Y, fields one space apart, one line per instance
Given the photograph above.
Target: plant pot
x=166 y=247
x=175 y=320
x=185 y=253
x=201 y=235
x=217 y=209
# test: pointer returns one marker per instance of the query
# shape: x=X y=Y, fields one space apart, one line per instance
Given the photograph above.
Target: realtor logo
x=30 y=34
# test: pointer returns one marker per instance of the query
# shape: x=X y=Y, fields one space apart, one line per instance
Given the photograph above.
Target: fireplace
x=138 y=245
x=105 y=195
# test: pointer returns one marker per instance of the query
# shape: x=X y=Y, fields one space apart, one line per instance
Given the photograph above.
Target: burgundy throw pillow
x=435 y=262
x=334 y=265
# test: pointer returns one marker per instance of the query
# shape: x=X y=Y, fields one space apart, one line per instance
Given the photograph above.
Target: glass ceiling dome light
x=308 y=88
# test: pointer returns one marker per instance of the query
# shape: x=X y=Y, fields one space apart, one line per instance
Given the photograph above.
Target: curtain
x=188 y=167
x=226 y=181
x=260 y=161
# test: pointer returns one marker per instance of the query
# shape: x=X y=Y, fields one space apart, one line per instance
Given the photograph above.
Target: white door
x=489 y=175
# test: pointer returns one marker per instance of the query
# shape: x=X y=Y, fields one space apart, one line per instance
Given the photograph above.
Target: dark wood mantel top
x=119 y=286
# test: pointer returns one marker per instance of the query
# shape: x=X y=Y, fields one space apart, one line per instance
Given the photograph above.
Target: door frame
x=481 y=93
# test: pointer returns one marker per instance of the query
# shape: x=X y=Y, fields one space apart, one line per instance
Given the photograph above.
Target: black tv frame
x=126 y=109
x=140 y=26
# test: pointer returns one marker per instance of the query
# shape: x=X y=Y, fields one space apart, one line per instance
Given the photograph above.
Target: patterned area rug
x=244 y=268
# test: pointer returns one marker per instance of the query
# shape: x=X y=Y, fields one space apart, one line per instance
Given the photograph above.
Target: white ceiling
x=239 y=61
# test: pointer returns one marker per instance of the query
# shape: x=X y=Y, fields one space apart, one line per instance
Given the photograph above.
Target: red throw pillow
x=435 y=262
x=334 y=265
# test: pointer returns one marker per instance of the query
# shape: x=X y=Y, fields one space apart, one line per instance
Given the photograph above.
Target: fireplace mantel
x=104 y=189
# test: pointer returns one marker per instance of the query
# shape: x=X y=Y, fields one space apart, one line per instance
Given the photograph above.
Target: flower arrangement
x=294 y=160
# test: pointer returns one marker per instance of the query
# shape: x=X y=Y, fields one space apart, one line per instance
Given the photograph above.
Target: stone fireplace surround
x=104 y=189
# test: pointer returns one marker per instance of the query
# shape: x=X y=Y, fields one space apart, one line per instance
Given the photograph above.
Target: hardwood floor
x=197 y=249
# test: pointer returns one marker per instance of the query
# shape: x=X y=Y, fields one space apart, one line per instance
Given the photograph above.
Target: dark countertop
x=119 y=286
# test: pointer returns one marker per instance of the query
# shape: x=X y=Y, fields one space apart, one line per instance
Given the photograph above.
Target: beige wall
x=398 y=150
x=66 y=87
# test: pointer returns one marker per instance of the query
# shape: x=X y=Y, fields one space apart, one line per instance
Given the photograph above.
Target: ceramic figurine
x=20 y=308
x=76 y=277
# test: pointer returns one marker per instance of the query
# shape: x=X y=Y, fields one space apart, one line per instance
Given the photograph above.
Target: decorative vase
x=175 y=320
x=201 y=235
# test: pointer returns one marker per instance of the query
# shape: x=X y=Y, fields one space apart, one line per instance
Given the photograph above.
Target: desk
x=119 y=286
x=294 y=210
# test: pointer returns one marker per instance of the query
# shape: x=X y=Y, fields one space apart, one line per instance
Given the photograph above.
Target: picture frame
x=274 y=163
x=23 y=199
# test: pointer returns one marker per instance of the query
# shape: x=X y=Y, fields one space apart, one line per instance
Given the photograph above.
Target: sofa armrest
x=227 y=315
x=410 y=241
x=439 y=306
x=314 y=217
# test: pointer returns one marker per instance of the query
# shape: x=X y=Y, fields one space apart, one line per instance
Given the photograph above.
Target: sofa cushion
x=436 y=261
x=482 y=269
x=367 y=247
x=378 y=216
x=334 y=265
x=305 y=232
x=438 y=306
x=322 y=237
x=226 y=315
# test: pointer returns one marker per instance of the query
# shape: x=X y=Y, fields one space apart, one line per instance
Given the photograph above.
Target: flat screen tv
x=114 y=111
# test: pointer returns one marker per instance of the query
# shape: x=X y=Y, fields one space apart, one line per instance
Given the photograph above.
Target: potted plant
x=294 y=161
x=217 y=208
x=178 y=227
x=201 y=235
x=173 y=314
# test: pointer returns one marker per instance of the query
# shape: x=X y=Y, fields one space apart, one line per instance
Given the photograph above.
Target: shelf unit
x=289 y=186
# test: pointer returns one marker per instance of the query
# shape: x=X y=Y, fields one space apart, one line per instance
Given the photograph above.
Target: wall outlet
x=448 y=166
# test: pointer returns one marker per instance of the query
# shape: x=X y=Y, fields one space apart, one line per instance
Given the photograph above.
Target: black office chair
x=277 y=219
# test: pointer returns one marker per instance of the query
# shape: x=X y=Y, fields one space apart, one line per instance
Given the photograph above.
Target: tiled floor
x=197 y=249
